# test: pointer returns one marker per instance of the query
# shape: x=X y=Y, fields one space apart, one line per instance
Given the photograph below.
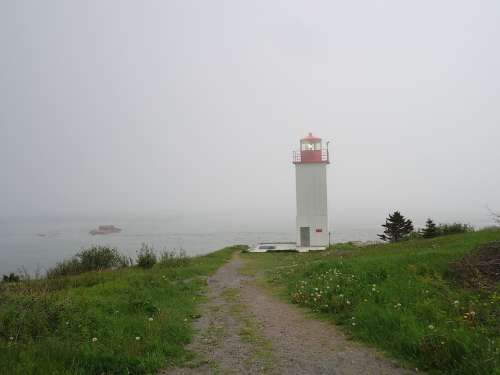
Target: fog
x=192 y=108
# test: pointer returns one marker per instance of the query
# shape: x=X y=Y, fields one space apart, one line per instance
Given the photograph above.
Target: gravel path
x=244 y=330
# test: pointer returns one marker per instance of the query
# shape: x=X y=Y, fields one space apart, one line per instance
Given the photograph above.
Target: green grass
x=128 y=321
x=400 y=298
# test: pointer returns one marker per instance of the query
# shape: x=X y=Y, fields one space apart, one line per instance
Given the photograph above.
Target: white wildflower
x=94 y=339
x=430 y=326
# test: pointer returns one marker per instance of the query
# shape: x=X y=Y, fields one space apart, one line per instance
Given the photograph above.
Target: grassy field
x=127 y=321
x=400 y=298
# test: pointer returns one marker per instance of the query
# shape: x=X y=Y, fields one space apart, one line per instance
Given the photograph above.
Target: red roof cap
x=311 y=138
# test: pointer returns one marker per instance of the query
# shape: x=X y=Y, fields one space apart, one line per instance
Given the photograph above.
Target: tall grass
x=146 y=256
x=173 y=258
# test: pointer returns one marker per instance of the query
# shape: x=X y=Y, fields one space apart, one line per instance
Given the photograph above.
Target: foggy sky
x=194 y=107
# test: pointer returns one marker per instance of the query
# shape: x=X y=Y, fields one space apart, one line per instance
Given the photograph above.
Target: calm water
x=40 y=243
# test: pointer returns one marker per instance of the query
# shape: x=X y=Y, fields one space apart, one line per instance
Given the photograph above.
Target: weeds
x=173 y=259
x=146 y=257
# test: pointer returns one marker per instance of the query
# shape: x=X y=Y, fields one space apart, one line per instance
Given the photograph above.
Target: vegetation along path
x=245 y=329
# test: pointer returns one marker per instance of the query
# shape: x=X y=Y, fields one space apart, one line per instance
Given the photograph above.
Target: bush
x=98 y=258
x=65 y=268
x=95 y=258
x=146 y=257
x=11 y=278
x=173 y=259
x=454 y=228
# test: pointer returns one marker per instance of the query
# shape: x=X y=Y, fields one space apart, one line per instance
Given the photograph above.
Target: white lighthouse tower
x=312 y=205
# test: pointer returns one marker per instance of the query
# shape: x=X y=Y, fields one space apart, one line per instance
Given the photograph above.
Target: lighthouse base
x=265 y=247
x=305 y=249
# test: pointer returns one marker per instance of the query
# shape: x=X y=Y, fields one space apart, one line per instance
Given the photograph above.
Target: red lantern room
x=311 y=151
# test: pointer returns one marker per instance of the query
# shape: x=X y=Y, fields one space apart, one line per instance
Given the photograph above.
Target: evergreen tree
x=397 y=228
x=430 y=229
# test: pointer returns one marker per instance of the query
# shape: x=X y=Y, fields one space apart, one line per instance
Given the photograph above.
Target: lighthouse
x=312 y=205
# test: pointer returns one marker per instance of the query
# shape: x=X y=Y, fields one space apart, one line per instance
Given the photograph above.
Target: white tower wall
x=312 y=204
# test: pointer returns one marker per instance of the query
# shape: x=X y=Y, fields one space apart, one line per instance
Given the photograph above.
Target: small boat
x=105 y=229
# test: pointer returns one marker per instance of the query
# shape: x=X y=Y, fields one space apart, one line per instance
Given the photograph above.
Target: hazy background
x=190 y=109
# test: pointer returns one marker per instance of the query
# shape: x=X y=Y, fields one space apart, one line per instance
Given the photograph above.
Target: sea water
x=36 y=244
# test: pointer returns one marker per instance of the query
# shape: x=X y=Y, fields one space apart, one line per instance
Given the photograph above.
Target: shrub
x=11 y=278
x=454 y=228
x=65 y=268
x=478 y=269
x=95 y=258
x=146 y=257
x=173 y=258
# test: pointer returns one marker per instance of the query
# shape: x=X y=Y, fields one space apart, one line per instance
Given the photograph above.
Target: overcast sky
x=194 y=107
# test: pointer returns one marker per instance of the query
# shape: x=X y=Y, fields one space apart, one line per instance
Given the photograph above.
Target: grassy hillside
x=125 y=321
x=401 y=298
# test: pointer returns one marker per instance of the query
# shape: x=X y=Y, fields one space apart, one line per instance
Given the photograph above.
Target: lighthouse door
x=305 y=240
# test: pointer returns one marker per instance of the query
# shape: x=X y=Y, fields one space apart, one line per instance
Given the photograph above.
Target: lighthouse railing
x=296 y=158
x=325 y=156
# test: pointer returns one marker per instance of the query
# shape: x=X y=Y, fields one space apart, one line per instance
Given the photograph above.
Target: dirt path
x=244 y=330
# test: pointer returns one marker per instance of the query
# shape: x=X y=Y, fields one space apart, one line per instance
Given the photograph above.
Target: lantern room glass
x=310 y=146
